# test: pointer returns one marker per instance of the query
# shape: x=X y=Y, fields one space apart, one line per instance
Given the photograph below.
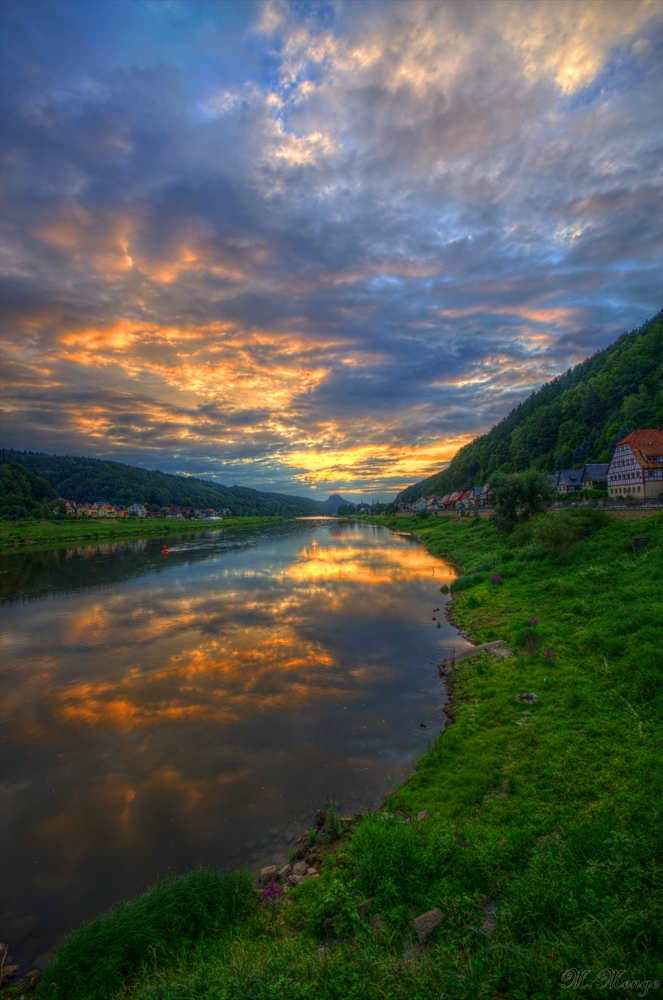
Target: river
x=165 y=710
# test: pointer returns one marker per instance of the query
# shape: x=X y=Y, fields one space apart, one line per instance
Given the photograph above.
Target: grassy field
x=544 y=844
x=29 y=532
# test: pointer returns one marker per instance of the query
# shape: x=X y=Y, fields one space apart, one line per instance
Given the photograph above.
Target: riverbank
x=48 y=533
x=540 y=843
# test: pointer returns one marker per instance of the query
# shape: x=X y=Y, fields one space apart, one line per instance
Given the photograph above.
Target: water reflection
x=164 y=713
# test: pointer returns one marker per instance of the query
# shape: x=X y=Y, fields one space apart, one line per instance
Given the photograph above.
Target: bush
x=101 y=957
x=557 y=533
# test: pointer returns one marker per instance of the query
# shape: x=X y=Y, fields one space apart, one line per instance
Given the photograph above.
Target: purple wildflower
x=532 y=643
x=271 y=894
x=534 y=621
x=548 y=653
x=495 y=578
x=464 y=846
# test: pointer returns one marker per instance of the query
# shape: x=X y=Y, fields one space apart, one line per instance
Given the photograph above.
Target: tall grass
x=150 y=932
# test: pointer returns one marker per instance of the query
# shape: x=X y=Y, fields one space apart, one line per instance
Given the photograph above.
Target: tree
x=505 y=495
x=534 y=492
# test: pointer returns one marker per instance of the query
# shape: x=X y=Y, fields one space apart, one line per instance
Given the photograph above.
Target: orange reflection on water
x=210 y=683
x=365 y=565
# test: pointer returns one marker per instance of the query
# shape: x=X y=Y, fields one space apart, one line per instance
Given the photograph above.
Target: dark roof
x=571 y=477
x=599 y=471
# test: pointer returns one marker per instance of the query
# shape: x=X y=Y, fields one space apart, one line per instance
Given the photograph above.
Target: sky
x=317 y=247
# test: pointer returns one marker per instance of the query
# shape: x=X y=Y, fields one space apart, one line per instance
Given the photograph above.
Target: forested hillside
x=576 y=418
x=22 y=492
x=94 y=479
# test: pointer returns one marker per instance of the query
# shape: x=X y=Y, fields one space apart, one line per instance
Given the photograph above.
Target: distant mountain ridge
x=96 y=479
x=576 y=418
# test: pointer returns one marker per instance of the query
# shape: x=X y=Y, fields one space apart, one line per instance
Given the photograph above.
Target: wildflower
x=464 y=846
x=548 y=653
x=534 y=621
x=532 y=643
x=271 y=894
x=495 y=578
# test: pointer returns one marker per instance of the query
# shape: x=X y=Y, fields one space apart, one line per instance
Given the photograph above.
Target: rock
x=273 y=832
x=422 y=725
x=346 y=822
x=423 y=815
x=427 y=923
x=296 y=879
x=362 y=910
x=377 y=923
x=489 y=923
x=637 y=543
x=340 y=860
x=267 y=873
x=10 y=971
x=300 y=868
x=329 y=929
x=301 y=850
x=285 y=871
x=288 y=836
x=33 y=977
x=323 y=953
x=497 y=648
x=527 y=697
x=311 y=871
x=320 y=818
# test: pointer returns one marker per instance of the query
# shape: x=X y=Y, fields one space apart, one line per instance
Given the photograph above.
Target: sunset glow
x=317 y=247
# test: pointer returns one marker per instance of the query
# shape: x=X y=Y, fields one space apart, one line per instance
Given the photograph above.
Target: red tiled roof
x=646 y=445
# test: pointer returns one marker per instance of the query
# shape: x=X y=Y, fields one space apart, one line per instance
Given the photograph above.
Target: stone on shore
x=423 y=815
x=267 y=873
x=427 y=923
x=300 y=868
x=377 y=923
x=284 y=871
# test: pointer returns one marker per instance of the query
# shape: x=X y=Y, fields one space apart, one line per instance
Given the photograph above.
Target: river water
x=162 y=711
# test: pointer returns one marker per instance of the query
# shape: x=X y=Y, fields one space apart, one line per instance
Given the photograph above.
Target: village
x=634 y=473
x=70 y=508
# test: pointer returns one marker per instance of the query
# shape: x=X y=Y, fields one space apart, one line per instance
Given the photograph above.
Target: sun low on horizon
x=317 y=247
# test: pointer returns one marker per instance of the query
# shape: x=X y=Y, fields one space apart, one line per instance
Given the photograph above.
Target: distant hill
x=94 y=479
x=576 y=418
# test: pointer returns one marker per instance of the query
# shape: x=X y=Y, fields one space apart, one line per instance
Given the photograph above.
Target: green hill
x=576 y=418
x=93 y=479
x=21 y=492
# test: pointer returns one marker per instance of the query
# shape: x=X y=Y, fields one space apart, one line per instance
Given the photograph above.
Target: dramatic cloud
x=317 y=247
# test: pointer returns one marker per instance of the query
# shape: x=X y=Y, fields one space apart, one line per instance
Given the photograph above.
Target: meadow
x=70 y=530
x=543 y=843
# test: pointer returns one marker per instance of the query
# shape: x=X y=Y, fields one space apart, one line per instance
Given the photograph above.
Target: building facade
x=636 y=468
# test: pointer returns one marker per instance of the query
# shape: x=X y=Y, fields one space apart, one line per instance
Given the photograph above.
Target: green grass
x=552 y=810
x=51 y=532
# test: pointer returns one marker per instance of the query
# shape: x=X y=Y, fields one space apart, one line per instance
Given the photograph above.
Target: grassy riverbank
x=70 y=530
x=551 y=812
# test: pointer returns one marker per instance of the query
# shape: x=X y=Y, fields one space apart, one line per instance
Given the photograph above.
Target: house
x=137 y=510
x=481 y=495
x=569 y=480
x=433 y=503
x=636 y=468
x=105 y=510
x=595 y=476
x=465 y=498
x=420 y=504
x=226 y=512
x=69 y=506
x=451 y=499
